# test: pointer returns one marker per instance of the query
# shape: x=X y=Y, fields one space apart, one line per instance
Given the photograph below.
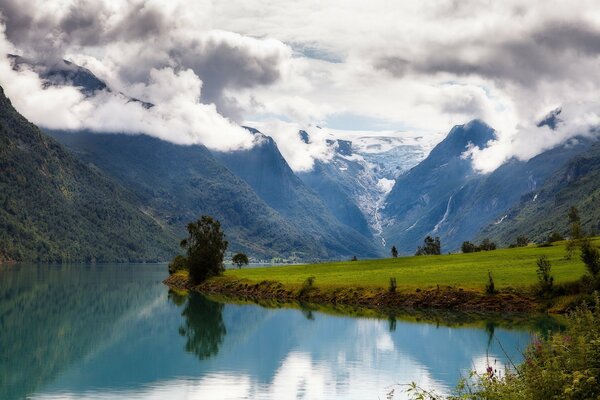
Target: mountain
x=179 y=183
x=55 y=208
x=420 y=199
x=269 y=175
x=444 y=197
x=544 y=210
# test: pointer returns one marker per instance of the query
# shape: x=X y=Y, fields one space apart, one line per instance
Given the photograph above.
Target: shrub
x=545 y=279
x=487 y=245
x=307 y=286
x=179 y=263
x=555 y=237
x=590 y=257
x=522 y=241
x=392 y=288
x=490 y=287
x=468 y=247
x=354 y=258
x=394 y=252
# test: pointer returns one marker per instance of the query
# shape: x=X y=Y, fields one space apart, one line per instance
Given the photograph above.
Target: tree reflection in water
x=203 y=328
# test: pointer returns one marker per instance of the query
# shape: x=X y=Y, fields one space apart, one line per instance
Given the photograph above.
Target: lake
x=115 y=331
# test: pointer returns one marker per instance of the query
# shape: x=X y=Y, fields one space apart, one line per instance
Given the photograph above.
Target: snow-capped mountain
x=362 y=171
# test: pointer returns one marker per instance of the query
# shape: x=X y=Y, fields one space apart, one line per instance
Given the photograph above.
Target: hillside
x=57 y=209
x=180 y=183
x=269 y=175
x=539 y=213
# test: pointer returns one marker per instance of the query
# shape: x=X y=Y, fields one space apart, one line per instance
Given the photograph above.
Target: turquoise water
x=114 y=331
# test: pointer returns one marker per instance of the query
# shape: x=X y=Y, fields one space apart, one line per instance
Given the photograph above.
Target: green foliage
x=393 y=285
x=430 y=247
x=240 y=259
x=555 y=237
x=562 y=366
x=485 y=245
x=590 y=255
x=468 y=247
x=546 y=280
x=179 y=263
x=307 y=285
x=205 y=247
x=54 y=208
x=394 y=252
x=522 y=241
x=490 y=287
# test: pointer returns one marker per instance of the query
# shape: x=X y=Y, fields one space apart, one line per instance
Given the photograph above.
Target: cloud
x=410 y=65
x=177 y=116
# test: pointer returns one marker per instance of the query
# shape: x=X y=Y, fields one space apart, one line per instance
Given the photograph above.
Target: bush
x=561 y=366
x=555 y=237
x=545 y=279
x=487 y=245
x=522 y=241
x=179 y=263
x=307 y=286
x=393 y=286
x=468 y=247
x=490 y=287
x=590 y=257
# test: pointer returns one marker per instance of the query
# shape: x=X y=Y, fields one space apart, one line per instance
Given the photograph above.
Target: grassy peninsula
x=451 y=281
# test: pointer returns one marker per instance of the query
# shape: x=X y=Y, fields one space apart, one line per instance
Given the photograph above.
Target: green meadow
x=510 y=267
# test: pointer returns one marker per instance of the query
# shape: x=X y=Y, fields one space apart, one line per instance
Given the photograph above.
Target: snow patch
x=386 y=185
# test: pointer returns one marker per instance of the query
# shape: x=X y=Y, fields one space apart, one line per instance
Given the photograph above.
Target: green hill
x=54 y=208
x=577 y=183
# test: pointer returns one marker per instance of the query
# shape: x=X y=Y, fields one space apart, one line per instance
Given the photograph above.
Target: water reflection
x=116 y=332
x=203 y=328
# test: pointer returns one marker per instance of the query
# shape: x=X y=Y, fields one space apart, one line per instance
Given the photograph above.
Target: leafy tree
x=240 y=259
x=522 y=241
x=468 y=247
x=205 y=246
x=179 y=263
x=545 y=279
x=430 y=246
x=590 y=257
x=394 y=252
x=354 y=258
x=555 y=237
x=487 y=245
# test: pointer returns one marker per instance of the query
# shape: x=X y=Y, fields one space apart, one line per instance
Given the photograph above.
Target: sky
x=417 y=66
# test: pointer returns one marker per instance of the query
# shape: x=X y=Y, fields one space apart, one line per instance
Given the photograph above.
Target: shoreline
x=441 y=298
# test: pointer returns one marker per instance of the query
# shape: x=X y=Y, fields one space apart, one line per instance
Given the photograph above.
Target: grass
x=514 y=268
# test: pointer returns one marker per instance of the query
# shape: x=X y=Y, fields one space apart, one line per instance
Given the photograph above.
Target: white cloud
x=413 y=65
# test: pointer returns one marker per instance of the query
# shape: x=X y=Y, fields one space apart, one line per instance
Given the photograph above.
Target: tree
x=545 y=279
x=354 y=258
x=430 y=246
x=394 y=252
x=590 y=256
x=522 y=241
x=555 y=237
x=487 y=245
x=490 y=287
x=468 y=247
x=179 y=263
x=240 y=259
x=205 y=246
